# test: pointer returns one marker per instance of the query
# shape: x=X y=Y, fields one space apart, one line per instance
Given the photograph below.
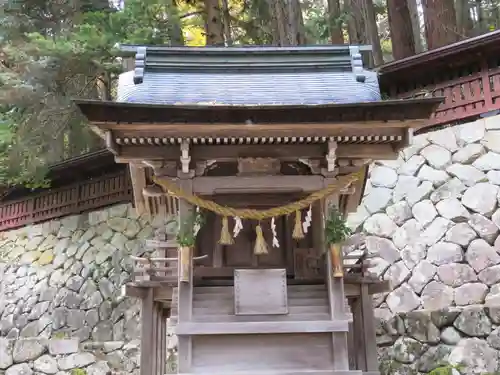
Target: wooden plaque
x=260 y=292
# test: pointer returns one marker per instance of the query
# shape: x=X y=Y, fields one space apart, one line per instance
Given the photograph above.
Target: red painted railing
x=466 y=74
x=85 y=196
x=465 y=96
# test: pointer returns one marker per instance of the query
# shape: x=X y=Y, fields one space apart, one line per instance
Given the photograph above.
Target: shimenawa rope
x=342 y=182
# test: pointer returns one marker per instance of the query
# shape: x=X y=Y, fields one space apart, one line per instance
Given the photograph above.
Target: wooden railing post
x=485 y=75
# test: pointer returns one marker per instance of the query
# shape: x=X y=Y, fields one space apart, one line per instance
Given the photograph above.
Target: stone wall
x=67 y=356
x=63 y=279
x=433 y=216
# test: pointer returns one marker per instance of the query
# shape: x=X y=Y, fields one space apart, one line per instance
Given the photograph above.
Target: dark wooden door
x=241 y=253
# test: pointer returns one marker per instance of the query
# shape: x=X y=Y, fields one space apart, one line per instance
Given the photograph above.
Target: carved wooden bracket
x=331 y=157
x=314 y=165
x=203 y=166
x=185 y=158
x=162 y=168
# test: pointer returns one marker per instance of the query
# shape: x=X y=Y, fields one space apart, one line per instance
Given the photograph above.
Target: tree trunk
x=213 y=23
x=334 y=17
x=297 y=29
x=372 y=32
x=356 y=22
x=400 y=27
x=482 y=23
x=174 y=28
x=279 y=23
x=415 y=25
x=288 y=23
x=440 y=23
x=227 y=23
x=465 y=26
x=362 y=27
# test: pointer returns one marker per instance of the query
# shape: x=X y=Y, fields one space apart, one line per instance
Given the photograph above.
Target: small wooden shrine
x=255 y=145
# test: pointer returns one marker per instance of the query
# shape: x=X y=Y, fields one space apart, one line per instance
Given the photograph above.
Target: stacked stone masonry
x=433 y=216
x=63 y=279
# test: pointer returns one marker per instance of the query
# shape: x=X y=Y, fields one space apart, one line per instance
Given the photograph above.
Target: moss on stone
x=78 y=371
x=46 y=258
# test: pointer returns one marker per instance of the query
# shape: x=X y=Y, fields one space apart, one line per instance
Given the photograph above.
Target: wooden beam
x=138 y=179
x=161 y=293
x=134 y=291
x=352 y=290
x=134 y=153
x=255 y=130
x=257 y=184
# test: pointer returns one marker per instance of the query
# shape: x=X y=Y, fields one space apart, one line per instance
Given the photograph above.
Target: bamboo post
x=335 y=250
x=185 y=264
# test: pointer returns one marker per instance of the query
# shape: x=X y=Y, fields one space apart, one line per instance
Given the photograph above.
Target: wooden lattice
x=74 y=199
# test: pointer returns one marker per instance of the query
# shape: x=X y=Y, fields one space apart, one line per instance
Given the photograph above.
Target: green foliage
x=187 y=230
x=52 y=52
x=336 y=229
x=60 y=335
x=446 y=370
x=78 y=371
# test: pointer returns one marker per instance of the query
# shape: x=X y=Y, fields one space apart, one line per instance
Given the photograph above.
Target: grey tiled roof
x=249 y=89
x=303 y=77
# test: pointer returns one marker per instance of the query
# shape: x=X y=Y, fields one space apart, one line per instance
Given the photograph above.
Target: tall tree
x=362 y=26
x=372 y=32
x=52 y=52
x=287 y=22
x=440 y=23
x=335 y=22
x=465 y=25
x=226 y=15
x=214 y=28
x=400 y=25
x=415 y=25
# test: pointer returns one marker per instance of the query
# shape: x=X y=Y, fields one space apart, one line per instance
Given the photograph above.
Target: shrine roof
x=248 y=76
x=100 y=112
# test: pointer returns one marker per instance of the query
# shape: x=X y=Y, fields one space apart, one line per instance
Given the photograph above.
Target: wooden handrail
x=74 y=199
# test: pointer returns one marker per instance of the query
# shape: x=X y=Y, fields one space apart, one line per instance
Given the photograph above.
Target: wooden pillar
x=337 y=306
x=351 y=342
x=147 y=333
x=185 y=289
x=369 y=334
x=165 y=315
x=364 y=335
x=154 y=338
x=358 y=337
x=160 y=339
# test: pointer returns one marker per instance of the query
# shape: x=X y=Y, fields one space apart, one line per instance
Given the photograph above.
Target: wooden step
x=250 y=328
x=287 y=372
x=216 y=304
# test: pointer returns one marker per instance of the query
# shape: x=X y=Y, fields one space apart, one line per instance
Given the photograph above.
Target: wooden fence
x=468 y=90
x=74 y=199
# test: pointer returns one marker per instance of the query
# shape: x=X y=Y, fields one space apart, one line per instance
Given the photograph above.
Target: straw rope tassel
x=260 y=247
x=298 y=233
x=225 y=236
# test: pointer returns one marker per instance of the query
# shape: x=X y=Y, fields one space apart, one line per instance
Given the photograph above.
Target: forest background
x=56 y=50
